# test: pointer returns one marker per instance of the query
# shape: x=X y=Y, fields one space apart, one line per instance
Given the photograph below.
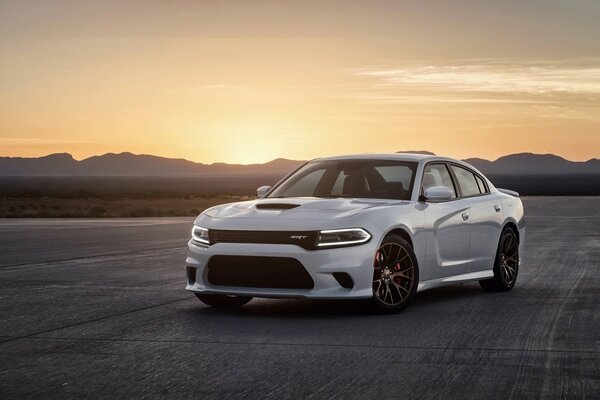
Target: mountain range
x=128 y=164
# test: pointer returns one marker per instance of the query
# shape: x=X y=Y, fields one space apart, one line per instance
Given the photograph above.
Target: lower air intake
x=191 y=275
x=259 y=272
x=344 y=280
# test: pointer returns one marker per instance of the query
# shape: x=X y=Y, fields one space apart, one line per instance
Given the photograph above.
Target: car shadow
x=315 y=309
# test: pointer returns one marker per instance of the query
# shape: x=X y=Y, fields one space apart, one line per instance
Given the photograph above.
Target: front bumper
x=356 y=261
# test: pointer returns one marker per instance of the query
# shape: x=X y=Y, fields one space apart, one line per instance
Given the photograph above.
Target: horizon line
x=287 y=159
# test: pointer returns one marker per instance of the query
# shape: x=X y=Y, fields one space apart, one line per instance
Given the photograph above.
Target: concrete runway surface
x=97 y=309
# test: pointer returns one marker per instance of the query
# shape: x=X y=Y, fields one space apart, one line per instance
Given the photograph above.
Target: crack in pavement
x=335 y=345
x=16 y=267
x=93 y=320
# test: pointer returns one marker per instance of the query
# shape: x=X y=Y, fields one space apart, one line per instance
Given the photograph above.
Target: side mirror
x=262 y=191
x=438 y=193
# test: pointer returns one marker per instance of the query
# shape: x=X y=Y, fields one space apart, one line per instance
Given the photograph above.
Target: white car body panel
x=449 y=247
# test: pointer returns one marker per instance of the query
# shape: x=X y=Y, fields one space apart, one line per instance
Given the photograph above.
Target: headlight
x=343 y=237
x=200 y=235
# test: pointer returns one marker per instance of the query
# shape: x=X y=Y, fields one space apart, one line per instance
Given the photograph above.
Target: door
x=448 y=225
x=485 y=215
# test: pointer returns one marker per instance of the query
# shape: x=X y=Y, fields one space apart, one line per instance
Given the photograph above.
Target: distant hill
x=535 y=164
x=128 y=164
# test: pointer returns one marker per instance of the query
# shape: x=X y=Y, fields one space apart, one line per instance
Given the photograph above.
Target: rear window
x=481 y=184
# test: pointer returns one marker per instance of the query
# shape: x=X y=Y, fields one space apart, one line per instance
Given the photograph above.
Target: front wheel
x=223 y=301
x=395 y=275
x=506 y=266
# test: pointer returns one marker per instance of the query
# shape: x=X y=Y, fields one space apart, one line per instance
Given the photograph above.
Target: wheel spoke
x=396 y=259
x=403 y=273
x=385 y=253
x=387 y=292
x=378 y=259
x=398 y=287
x=404 y=258
x=390 y=259
x=507 y=273
x=383 y=291
x=378 y=283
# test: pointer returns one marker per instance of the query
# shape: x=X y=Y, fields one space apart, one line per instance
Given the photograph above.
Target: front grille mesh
x=304 y=239
x=259 y=272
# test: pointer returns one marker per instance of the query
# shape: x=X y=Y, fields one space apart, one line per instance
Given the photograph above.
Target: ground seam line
x=92 y=320
x=36 y=337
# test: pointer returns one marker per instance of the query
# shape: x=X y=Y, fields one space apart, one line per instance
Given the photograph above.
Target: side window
x=466 y=181
x=438 y=175
x=481 y=184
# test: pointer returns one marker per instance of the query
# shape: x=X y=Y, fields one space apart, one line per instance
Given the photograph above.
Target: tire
x=223 y=301
x=395 y=275
x=506 y=265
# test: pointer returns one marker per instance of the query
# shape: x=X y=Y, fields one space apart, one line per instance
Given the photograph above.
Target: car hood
x=304 y=208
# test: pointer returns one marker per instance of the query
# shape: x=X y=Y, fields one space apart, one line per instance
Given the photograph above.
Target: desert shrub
x=145 y=212
x=97 y=212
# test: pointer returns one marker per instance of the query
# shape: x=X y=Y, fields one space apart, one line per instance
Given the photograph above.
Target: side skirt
x=449 y=280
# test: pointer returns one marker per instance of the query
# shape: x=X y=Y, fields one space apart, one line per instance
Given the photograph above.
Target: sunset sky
x=250 y=81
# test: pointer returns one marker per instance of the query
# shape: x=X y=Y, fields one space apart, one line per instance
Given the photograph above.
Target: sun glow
x=252 y=141
x=248 y=82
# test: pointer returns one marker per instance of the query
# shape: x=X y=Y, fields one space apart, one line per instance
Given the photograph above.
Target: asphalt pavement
x=97 y=309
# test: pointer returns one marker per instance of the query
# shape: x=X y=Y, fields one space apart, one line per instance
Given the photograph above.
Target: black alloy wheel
x=506 y=266
x=395 y=274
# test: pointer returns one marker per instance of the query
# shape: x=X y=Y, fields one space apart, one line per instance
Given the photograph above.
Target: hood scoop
x=276 y=206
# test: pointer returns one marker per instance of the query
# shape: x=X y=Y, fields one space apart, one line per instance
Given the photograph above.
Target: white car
x=380 y=227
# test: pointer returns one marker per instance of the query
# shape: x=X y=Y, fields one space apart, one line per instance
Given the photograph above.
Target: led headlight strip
x=343 y=237
x=200 y=235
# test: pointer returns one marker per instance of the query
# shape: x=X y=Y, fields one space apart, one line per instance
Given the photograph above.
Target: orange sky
x=249 y=81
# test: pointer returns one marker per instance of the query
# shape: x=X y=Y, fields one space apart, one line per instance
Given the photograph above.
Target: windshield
x=379 y=179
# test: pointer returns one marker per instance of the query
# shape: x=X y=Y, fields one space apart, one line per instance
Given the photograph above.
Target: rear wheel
x=223 y=301
x=395 y=275
x=506 y=266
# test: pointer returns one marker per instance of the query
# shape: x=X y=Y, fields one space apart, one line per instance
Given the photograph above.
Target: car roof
x=414 y=157
x=387 y=156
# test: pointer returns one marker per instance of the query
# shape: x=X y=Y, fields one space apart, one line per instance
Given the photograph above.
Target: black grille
x=259 y=272
x=305 y=239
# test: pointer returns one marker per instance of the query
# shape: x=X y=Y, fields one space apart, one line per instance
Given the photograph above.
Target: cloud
x=43 y=141
x=488 y=81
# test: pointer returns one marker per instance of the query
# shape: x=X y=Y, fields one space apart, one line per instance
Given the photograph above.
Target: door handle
x=497 y=207
x=465 y=216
